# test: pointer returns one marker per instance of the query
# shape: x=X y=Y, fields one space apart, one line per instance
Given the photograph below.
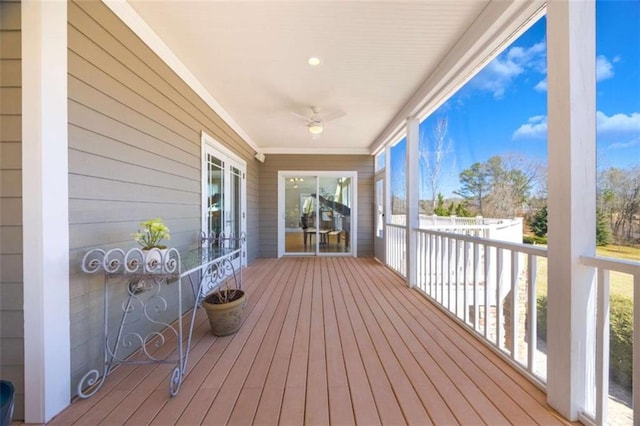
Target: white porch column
x=572 y=188
x=413 y=198
x=45 y=209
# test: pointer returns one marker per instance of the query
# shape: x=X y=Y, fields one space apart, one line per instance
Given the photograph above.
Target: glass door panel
x=334 y=214
x=215 y=195
x=300 y=214
x=233 y=217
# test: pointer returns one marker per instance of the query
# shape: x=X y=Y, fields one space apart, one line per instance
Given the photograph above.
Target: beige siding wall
x=363 y=164
x=134 y=154
x=11 y=318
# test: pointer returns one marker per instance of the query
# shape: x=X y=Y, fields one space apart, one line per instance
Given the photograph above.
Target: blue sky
x=503 y=110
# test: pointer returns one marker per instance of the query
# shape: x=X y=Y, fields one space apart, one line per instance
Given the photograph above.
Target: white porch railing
x=396 y=248
x=597 y=401
x=490 y=286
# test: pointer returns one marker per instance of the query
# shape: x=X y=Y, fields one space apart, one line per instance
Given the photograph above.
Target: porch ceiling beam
x=572 y=198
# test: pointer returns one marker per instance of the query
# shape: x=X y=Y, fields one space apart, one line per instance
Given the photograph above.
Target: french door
x=317 y=212
x=224 y=196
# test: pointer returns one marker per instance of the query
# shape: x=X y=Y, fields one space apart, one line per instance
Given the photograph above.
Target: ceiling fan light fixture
x=315 y=128
x=313 y=61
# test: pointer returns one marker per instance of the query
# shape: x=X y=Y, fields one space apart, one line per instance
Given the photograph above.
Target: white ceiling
x=251 y=56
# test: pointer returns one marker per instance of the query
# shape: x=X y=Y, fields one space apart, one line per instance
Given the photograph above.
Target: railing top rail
x=522 y=248
x=612 y=264
x=448 y=226
x=395 y=225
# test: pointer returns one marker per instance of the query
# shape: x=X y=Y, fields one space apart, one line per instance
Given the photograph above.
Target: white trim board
x=45 y=213
x=123 y=10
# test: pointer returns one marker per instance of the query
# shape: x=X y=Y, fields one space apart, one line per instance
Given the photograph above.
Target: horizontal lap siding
x=363 y=164
x=134 y=154
x=11 y=286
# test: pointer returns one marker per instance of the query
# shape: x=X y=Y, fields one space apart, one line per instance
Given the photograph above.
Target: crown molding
x=317 y=151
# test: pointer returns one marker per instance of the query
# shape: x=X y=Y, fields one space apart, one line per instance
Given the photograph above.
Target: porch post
x=45 y=211
x=413 y=221
x=572 y=188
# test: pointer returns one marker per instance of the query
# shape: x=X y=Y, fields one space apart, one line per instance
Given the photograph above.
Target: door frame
x=284 y=174
x=211 y=145
x=379 y=243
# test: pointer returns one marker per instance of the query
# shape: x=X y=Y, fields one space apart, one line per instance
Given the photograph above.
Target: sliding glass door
x=316 y=211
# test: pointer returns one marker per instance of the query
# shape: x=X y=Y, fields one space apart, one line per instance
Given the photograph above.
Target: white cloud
x=501 y=72
x=622 y=145
x=541 y=86
x=618 y=123
x=534 y=128
x=604 y=68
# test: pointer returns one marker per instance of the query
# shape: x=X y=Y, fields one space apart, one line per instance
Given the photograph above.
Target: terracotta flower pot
x=225 y=318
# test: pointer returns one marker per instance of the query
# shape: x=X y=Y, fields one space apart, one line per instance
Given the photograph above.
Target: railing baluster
x=515 y=288
x=465 y=281
x=532 y=307
x=487 y=258
x=602 y=347
x=499 y=284
x=476 y=273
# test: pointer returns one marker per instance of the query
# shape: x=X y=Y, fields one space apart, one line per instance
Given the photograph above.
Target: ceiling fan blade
x=332 y=116
x=300 y=116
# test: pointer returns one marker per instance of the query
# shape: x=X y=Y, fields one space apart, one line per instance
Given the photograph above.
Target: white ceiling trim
x=317 y=151
x=477 y=47
x=130 y=17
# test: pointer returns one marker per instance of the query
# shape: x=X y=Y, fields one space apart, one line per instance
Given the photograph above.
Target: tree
x=475 y=183
x=619 y=196
x=440 y=209
x=500 y=186
x=602 y=229
x=432 y=152
x=538 y=223
x=513 y=177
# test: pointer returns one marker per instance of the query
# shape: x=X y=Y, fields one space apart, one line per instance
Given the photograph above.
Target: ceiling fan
x=316 y=122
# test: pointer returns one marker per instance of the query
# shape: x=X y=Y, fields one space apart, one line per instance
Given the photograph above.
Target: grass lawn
x=619 y=283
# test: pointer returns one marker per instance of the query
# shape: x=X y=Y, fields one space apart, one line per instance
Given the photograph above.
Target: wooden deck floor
x=325 y=341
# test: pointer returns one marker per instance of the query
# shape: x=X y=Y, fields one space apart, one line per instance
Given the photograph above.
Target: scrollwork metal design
x=146 y=274
x=91 y=381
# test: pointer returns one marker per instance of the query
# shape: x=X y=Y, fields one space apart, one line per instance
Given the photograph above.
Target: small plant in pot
x=224 y=309
x=150 y=236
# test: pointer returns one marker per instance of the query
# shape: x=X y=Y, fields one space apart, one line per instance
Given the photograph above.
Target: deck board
x=325 y=341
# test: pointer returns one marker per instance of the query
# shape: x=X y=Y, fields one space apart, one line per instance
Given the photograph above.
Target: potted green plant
x=224 y=308
x=150 y=236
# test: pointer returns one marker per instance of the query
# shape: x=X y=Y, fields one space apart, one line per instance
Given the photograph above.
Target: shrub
x=538 y=222
x=620 y=338
x=541 y=308
x=532 y=239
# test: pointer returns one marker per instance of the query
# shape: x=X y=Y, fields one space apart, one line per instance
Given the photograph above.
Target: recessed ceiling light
x=314 y=61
